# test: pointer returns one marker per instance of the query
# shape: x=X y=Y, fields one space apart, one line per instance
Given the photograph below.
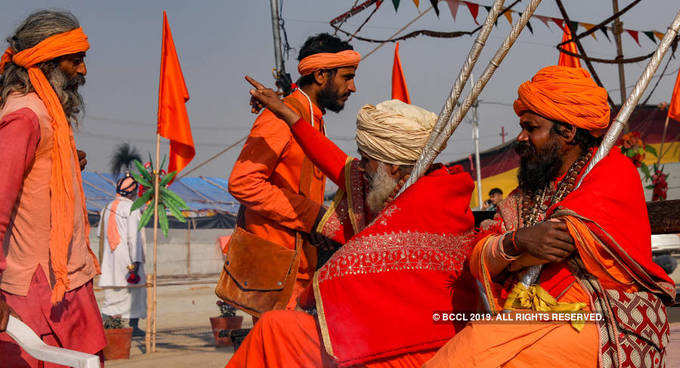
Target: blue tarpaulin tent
x=202 y=194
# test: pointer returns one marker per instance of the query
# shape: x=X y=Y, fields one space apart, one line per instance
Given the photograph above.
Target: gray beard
x=381 y=186
x=70 y=98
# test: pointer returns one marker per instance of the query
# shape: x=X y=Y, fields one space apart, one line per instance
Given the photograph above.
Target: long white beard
x=381 y=187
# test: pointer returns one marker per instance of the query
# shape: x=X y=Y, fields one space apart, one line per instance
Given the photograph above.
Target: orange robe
x=266 y=180
x=535 y=344
x=262 y=346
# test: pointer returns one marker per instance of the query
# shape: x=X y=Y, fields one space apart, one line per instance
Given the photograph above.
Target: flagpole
x=659 y=154
x=156 y=174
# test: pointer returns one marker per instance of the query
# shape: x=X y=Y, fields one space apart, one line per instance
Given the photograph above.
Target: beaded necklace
x=540 y=201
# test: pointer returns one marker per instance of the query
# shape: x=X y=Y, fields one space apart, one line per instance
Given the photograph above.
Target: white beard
x=382 y=185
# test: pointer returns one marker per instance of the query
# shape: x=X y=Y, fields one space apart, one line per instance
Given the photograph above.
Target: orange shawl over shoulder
x=64 y=155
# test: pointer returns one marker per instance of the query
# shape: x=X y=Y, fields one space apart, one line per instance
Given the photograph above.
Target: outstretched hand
x=263 y=97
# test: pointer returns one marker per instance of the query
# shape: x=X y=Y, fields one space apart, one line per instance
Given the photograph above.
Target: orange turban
x=565 y=94
x=328 y=60
x=64 y=156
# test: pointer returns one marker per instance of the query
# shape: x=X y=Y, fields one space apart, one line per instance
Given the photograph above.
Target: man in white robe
x=122 y=263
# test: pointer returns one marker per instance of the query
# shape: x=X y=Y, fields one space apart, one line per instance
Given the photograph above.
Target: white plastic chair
x=36 y=348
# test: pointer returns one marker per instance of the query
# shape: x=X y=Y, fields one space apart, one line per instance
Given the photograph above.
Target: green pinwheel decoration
x=168 y=201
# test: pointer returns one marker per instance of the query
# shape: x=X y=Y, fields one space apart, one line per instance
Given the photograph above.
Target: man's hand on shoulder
x=549 y=240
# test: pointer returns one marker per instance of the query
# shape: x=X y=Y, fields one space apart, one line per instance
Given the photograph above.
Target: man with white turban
x=402 y=258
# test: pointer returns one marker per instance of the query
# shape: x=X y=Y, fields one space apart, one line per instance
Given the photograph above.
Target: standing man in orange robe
x=46 y=265
x=280 y=188
x=594 y=242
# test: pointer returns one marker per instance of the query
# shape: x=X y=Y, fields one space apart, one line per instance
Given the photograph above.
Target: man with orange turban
x=279 y=188
x=593 y=241
x=46 y=265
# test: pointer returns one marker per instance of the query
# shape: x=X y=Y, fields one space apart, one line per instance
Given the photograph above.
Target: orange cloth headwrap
x=64 y=156
x=327 y=60
x=565 y=94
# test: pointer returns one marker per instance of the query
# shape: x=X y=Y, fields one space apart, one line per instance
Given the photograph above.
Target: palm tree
x=123 y=156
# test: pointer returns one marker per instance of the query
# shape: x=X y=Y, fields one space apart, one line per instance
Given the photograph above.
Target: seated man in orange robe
x=593 y=241
x=375 y=297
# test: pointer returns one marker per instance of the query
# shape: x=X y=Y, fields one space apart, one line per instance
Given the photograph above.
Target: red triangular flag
x=453 y=7
x=559 y=22
x=399 y=89
x=173 y=120
x=634 y=34
x=544 y=20
x=674 y=107
x=474 y=10
x=568 y=60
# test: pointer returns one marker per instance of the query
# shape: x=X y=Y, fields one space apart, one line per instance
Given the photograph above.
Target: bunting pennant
x=508 y=16
x=604 y=30
x=588 y=27
x=453 y=7
x=634 y=34
x=435 y=5
x=653 y=35
x=658 y=35
x=474 y=10
x=650 y=35
x=559 y=22
x=544 y=20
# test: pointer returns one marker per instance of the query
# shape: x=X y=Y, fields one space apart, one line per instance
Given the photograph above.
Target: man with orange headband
x=46 y=265
x=279 y=188
x=593 y=241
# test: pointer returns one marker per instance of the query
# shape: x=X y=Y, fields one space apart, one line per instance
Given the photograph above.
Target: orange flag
x=399 y=89
x=568 y=60
x=674 y=107
x=173 y=120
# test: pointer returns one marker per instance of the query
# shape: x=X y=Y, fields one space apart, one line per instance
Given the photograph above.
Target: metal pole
x=618 y=29
x=530 y=277
x=475 y=138
x=278 y=59
x=432 y=149
x=454 y=95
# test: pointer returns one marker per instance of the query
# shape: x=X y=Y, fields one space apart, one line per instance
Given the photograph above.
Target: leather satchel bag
x=258 y=275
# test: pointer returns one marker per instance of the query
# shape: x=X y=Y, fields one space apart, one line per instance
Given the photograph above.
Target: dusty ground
x=185 y=337
x=184 y=333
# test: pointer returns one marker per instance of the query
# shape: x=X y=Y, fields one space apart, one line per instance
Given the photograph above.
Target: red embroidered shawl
x=376 y=295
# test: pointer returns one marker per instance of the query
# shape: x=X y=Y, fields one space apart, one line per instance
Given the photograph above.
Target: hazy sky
x=220 y=41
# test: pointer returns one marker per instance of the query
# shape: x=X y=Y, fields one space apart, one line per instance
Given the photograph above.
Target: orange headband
x=60 y=44
x=64 y=156
x=328 y=60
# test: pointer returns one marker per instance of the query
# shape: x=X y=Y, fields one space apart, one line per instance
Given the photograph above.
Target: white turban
x=394 y=132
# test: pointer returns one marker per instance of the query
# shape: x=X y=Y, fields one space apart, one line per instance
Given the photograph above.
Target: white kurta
x=126 y=302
